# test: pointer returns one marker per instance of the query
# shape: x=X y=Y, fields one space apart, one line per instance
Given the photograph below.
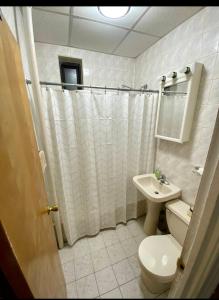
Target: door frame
x=200 y=253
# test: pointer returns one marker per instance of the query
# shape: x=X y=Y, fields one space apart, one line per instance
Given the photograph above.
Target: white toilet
x=158 y=254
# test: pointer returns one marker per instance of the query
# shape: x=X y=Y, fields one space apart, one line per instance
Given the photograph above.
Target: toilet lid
x=159 y=254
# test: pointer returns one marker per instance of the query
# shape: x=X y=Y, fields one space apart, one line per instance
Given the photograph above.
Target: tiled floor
x=106 y=266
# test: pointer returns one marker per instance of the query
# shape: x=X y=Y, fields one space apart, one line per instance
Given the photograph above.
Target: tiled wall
x=197 y=39
x=98 y=68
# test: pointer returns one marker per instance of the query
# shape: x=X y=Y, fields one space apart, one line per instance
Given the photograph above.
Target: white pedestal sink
x=156 y=194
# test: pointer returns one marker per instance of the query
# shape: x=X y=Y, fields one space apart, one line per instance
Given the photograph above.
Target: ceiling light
x=114 y=12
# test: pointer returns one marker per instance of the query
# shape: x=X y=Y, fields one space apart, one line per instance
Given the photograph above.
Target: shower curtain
x=95 y=143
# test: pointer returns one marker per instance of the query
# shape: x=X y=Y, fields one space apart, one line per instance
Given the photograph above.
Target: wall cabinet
x=176 y=106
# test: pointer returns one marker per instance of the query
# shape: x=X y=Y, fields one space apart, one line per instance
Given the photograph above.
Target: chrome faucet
x=163 y=179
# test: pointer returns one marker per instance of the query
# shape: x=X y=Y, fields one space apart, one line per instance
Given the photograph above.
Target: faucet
x=161 y=177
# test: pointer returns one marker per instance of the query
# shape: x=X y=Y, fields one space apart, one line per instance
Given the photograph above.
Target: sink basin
x=151 y=188
x=155 y=194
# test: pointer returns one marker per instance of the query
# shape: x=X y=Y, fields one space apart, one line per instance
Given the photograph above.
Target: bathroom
x=109 y=151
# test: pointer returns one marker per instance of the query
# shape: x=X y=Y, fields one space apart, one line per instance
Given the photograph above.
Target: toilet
x=158 y=254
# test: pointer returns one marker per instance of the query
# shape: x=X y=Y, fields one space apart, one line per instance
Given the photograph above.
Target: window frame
x=71 y=63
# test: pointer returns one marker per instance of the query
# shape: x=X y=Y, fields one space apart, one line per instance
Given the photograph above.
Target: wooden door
x=25 y=222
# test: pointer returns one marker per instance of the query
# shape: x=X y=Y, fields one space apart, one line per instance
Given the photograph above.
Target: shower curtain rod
x=106 y=88
x=94 y=87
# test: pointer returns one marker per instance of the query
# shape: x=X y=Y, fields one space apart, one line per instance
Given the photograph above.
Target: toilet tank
x=178 y=219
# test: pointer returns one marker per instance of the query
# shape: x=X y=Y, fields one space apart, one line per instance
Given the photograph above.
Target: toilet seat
x=158 y=254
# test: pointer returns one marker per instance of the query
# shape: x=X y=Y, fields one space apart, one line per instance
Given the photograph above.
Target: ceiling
x=84 y=27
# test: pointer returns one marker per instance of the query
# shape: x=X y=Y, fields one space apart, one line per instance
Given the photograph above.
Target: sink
x=151 y=188
x=155 y=194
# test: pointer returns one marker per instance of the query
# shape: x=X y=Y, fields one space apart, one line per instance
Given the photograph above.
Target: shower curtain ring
x=105 y=89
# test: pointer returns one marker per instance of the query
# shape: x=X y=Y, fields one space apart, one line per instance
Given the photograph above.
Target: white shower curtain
x=95 y=143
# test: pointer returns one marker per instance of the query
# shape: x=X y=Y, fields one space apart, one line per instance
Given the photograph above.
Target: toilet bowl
x=158 y=254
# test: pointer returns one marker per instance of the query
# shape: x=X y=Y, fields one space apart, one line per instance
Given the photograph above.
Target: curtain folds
x=95 y=143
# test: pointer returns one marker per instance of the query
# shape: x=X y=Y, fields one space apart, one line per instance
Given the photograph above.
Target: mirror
x=171 y=110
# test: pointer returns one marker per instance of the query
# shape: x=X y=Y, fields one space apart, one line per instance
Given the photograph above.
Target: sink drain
x=156 y=192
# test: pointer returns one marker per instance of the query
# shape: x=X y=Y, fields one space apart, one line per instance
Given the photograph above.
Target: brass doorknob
x=52 y=208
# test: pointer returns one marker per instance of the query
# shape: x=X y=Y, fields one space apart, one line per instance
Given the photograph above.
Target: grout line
x=131 y=29
x=86 y=49
x=96 y=21
x=95 y=275
x=70 y=24
x=111 y=265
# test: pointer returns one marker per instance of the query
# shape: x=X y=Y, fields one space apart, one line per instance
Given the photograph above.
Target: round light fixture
x=114 y=12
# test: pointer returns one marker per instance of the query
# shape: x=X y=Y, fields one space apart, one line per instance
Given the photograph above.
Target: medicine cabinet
x=176 y=106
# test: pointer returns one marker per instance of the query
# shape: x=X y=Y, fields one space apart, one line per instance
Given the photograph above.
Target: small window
x=71 y=72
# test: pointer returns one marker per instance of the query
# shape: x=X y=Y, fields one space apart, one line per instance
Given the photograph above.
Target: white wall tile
x=98 y=68
x=194 y=40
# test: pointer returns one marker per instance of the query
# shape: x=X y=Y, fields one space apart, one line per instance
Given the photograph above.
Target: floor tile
x=133 y=289
x=122 y=232
x=135 y=229
x=135 y=265
x=71 y=290
x=100 y=259
x=96 y=242
x=106 y=280
x=130 y=247
x=114 y=294
x=81 y=248
x=110 y=237
x=69 y=271
x=123 y=271
x=66 y=254
x=139 y=239
x=87 y=287
x=83 y=266
x=116 y=253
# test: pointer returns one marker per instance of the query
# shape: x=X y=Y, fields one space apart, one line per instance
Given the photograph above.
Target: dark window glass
x=70 y=73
